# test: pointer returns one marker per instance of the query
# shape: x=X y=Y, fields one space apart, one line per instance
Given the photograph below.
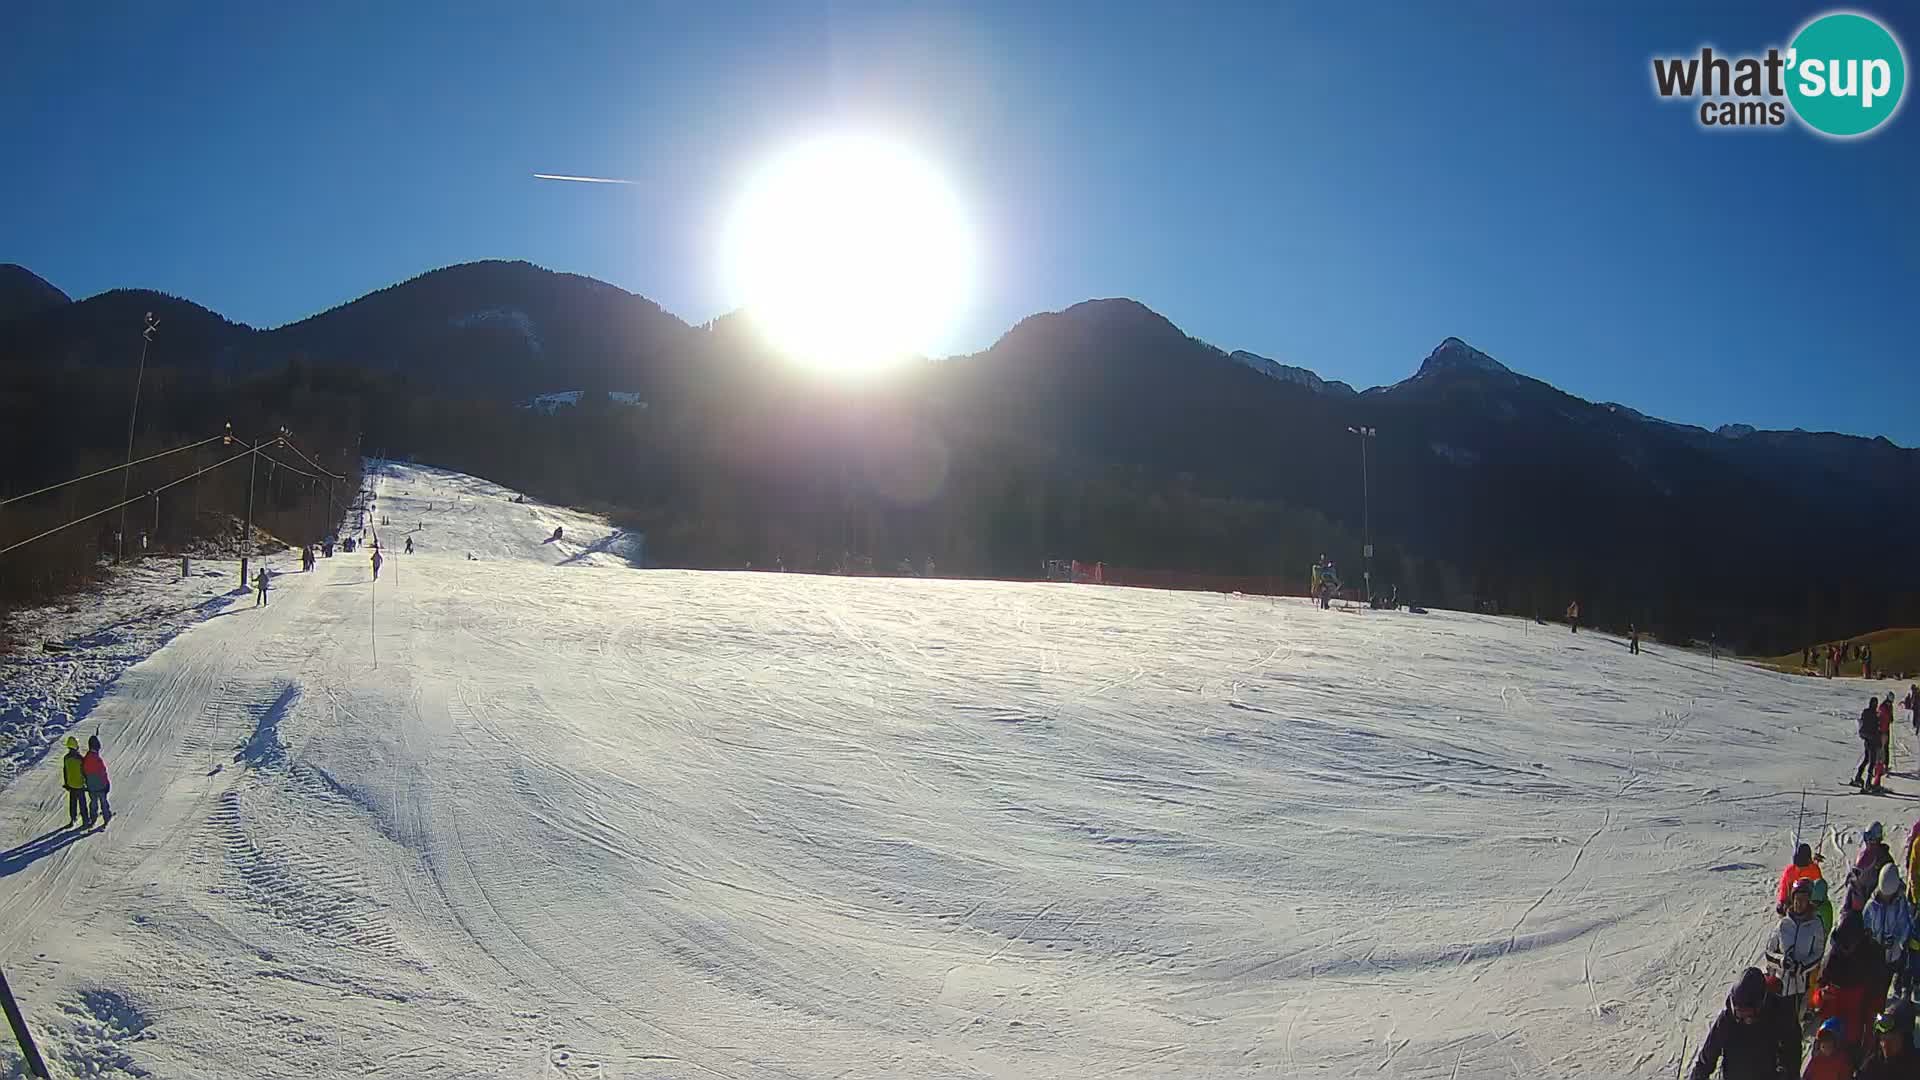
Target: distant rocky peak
x=1456 y=355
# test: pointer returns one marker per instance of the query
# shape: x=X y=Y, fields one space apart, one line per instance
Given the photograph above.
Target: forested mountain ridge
x=1102 y=432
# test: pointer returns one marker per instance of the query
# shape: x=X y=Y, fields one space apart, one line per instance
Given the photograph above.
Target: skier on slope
x=409 y=545
x=376 y=563
x=1869 y=729
x=1912 y=702
x=260 y=587
x=1753 y=1038
x=95 y=768
x=1794 y=949
x=73 y=777
x=1852 y=965
x=1804 y=867
x=1829 y=1060
x=1912 y=861
x=1822 y=905
x=1573 y=616
x=1889 y=919
x=1865 y=874
x=1892 y=1056
x=1884 y=720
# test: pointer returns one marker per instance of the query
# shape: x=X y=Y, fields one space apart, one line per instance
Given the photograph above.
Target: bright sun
x=850 y=253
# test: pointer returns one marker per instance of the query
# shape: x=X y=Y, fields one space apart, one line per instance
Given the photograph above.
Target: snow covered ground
x=540 y=814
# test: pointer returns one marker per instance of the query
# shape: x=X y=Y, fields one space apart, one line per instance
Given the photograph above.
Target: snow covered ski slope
x=542 y=815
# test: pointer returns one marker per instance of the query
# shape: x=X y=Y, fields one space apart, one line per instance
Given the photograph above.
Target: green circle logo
x=1846 y=74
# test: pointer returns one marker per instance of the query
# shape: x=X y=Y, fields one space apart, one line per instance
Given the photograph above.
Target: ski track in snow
x=570 y=819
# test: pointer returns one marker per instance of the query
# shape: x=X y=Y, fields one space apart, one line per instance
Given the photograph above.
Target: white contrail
x=580 y=179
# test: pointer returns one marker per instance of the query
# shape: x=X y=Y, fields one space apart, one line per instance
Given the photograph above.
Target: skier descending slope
x=95 y=768
x=1753 y=1038
x=73 y=777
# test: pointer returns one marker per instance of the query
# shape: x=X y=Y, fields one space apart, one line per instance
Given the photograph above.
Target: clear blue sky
x=1337 y=186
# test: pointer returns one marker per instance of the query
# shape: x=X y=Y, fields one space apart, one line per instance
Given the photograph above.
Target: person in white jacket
x=1889 y=919
x=1797 y=944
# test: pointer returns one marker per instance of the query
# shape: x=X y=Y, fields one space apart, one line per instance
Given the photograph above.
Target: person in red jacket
x=95 y=769
x=1830 y=1060
x=1853 y=966
x=1804 y=867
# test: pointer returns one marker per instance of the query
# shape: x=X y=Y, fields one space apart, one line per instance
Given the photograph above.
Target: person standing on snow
x=1869 y=743
x=260 y=585
x=1633 y=639
x=73 y=777
x=1753 y=1038
x=1913 y=854
x=1852 y=966
x=1830 y=1060
x=376 y=562
x=95 y=768
x=1892 y=1056
x=1866 y=660
x=1573 y=616
x=1912 y=702
x=1822 y=906
x=1804 y=867
x=1884 y=719
x=1865 y=875
x=409 y=545
x=1794 y=950
x=1889 y=919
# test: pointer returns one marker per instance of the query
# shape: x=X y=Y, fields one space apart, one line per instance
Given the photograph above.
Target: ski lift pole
x=28 y=1051
x=1802 y=817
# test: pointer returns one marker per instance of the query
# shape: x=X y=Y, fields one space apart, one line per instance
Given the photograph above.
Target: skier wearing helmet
x=1794 y=950
x=1891 y=1057
x=1865 y=874
x=1830 y=1060
x=1822 y=905
x=73 y=777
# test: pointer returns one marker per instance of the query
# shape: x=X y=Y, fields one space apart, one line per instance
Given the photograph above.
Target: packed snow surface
x=537 y=813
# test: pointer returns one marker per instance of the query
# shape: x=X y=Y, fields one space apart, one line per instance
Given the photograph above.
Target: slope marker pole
x=28 y=1051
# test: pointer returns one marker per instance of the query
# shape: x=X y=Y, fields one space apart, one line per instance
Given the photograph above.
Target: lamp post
x=1366 y=435
x=126 y=473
